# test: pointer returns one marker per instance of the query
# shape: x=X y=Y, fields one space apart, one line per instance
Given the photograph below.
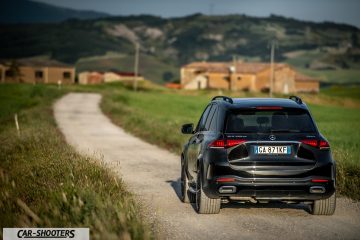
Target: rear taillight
x=226 y=143
x=316 y=143
x=234 y=142
x=324 y=144
x=217 y=144
x=310 y=142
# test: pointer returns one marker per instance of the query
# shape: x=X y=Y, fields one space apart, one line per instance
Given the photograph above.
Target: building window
x=66 y=75
x=227 y=78
x=9 y=73
x=39 y=74
x=239 y=78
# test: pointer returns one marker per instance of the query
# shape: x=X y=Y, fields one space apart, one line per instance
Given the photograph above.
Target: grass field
x=339 y=76
x=352 y=92
x=157 y=116
x=45 y=183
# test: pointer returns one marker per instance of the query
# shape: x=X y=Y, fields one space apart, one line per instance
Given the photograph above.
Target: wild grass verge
x=45 y=183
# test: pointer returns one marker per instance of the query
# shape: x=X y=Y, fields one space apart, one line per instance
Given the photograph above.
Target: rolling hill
x=328 y=50
x=25 y=11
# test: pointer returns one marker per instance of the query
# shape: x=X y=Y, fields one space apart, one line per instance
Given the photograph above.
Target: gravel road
x=152 y=174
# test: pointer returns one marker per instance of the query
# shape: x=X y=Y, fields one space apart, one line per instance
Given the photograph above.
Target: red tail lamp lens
x=225 y=180
x=323 y=144
x=226 y=143
x=319 y=180
x=234 y=142
x=217 y=144
x=315 y=143
x=310 y=142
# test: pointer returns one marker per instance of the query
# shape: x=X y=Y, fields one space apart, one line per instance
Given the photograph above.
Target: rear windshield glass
x=265 y=121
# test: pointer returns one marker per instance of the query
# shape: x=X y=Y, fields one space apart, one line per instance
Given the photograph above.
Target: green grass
x=156 y=116
x=45 y=183
x=339 y=76
x=351 y=92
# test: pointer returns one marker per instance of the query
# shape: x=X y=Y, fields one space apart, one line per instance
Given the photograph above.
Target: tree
x=168 y=76
x=14 y=70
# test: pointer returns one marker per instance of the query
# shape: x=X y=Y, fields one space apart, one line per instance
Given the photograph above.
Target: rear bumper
x=297 y=189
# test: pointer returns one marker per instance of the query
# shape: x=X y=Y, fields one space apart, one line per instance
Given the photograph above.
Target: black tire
x=324 y=206
x=204 y=204
x=186 y=195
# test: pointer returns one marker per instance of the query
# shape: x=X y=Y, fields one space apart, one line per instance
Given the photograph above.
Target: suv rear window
x=265 y=121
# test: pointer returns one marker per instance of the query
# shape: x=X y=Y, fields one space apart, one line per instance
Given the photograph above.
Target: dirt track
x=153 y=175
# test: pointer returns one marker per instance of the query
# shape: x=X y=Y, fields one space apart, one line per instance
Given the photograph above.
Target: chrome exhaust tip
x=317 y=189
x=227 y=189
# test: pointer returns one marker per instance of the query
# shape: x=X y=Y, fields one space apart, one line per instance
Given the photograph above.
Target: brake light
x=225 y=180
x=217 y=144
x=319 y=180
x=316 y=143
x=234 y=142
x=226 y=143
x=269 y=108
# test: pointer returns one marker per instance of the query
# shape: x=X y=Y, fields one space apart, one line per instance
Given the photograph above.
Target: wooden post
x=17 y=124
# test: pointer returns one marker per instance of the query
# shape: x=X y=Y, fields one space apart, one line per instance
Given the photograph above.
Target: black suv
x=257 y=150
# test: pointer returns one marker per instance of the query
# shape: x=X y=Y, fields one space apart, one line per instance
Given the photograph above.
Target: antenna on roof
x=296 y=99
x=225 y=98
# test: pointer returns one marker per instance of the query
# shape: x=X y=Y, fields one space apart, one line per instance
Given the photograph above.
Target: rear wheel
x=324 y=206
x=186 y=195
x=204 y=204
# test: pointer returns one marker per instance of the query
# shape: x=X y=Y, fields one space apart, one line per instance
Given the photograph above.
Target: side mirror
x=187 y=128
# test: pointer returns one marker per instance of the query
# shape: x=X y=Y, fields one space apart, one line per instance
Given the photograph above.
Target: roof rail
x=296 y=99
x=225 y=98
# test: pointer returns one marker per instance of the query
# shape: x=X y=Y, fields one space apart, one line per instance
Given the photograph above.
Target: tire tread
x=324 y=206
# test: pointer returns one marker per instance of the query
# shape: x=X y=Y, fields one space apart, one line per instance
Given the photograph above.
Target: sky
x=341 y=11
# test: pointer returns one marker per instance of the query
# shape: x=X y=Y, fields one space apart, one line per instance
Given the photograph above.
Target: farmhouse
x=110 y=76
x=34 y=70
x=245 y=76
x=91 y=78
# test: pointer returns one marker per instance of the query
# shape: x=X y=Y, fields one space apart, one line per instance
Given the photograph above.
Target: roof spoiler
x=225 y=98
x=296 y=99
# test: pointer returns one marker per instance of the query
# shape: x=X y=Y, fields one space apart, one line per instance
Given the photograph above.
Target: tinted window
x=209 y=118
x=286 y=120
x=202 y=121
x=213 y=124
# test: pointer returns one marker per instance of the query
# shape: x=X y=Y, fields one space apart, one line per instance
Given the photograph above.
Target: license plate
x=272 y=149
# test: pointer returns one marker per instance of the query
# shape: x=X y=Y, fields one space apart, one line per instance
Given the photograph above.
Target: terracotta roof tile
x=224 y=67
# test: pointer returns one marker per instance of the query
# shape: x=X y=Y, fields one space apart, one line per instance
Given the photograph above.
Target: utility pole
x=136 y=65
x=233 y=77
x=211 y=9
x=273 y=45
